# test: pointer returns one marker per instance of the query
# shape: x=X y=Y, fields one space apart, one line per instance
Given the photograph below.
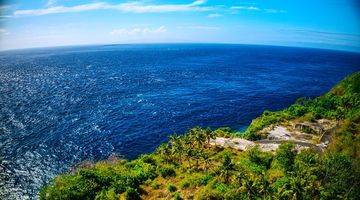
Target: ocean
x=60 y=106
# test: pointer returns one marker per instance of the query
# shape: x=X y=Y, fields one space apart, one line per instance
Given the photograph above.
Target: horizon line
x=177 y=43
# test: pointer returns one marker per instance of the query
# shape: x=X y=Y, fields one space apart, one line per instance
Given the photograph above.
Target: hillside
x=195 y=166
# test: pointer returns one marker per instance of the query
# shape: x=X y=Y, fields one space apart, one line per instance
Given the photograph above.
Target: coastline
x=191 y=155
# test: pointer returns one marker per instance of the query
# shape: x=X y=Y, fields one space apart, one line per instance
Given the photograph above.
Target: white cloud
x=140 y=8
x=4 y=31
x=138 y=31
x=61 y=9
x=198 y=2
x=245 y=8
x=254 y=8
x=201 y=27
x=3 y=17
x=214 y=15
x=50 y=3
x=274 y=11
x=134 y=7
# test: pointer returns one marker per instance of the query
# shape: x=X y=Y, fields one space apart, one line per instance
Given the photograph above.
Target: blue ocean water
x=60 y=106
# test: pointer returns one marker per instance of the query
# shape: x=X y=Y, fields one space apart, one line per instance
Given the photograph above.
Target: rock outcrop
x=318 y=138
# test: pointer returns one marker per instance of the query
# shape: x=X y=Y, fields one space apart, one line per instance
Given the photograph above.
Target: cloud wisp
x=50 y=3
x=138 y=31
x=214 y=15
x=199 y=27
x=4 y=31
x=254 y=8
x=139 y=7
x=245 y=8
x=132 y=7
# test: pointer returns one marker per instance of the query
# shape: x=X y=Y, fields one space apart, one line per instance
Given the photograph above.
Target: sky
x=331 y=24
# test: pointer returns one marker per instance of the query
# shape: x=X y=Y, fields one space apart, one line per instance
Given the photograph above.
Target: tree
x=197 y=136
x=285 y=156
x=209 y=134
x=226 y=167
x=176 y=151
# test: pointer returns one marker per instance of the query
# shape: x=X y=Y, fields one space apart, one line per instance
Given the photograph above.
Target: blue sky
x=333 y=24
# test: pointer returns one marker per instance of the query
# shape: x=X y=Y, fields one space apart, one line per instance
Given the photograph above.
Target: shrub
x=235 y=194
x=285 y=156
x=144 y=171
x=226 y=167
x=342 y=177
x=120 y=185
x=177 y=196
x=224 y=132
x=221 y=187
x=260 y=158
x=132 y=194
x=107 y=195
x=310 y=117
x=184 y=184
x=297 y=110
x=167 y=171
x=204 y=180
x=155 y=185
x=148 y=159
x=171 y=188
x=208 y=193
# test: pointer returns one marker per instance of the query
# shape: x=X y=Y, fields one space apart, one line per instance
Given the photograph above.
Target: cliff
x=307 y=151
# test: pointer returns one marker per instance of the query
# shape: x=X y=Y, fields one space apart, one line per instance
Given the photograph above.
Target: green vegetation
x=188 y=167
x=342 y=102
x=171 y=188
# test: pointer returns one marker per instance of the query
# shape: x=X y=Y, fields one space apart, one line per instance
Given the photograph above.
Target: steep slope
x=189 y=167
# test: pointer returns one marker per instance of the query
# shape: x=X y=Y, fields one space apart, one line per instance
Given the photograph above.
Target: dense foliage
x=342 y=102
x=188 y=167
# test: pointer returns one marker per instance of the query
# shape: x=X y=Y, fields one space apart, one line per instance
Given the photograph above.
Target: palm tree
x=226 y=167
x=196 y=136
x=176 y=147
x=164 y=152
x=209 y=134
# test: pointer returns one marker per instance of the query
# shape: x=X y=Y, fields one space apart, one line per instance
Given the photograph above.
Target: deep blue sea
x=60 y=106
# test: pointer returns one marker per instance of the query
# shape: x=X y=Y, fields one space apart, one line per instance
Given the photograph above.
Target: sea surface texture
x=61 y=106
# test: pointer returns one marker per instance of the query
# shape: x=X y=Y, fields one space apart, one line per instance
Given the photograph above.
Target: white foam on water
x=22 y=177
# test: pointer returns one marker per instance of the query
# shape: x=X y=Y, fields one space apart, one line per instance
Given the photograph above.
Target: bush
x=177 y=196
x=260 y=158
x=155 y=185
x=204 y=180
x=148 y=159
x=285 y=156
x=184 y=184
x=167 y=171
x=208 y=193
x=221 y=187
x=297 y=110
x=74 y=187
x=224 y=132
x=132 y=194
x=171 y=188
x=342 y=177
x=310 y=117
x=107 y=195
x=120 y=185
